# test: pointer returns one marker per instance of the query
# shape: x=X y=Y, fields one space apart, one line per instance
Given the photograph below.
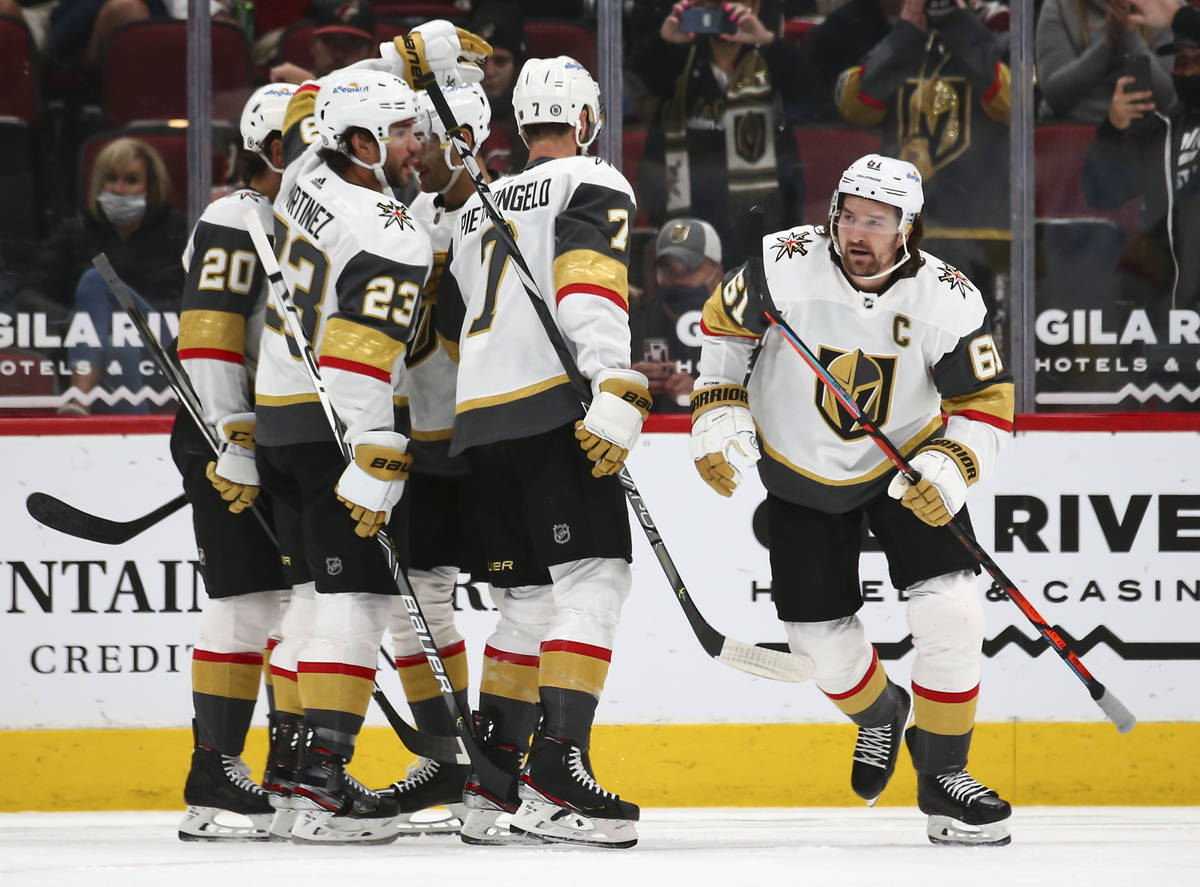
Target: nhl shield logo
x=562 y=534
x=333 y=565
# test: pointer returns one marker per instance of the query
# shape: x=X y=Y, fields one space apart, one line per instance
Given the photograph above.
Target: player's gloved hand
x=613 y=422
x=454 y=55
x=723 y=433
x=234 y=475
x=940 y=492
x=374 y=481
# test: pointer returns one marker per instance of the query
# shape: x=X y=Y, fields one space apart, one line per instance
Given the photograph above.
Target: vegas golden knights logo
x=750 y=136
x=935 y=121
x=867 y=378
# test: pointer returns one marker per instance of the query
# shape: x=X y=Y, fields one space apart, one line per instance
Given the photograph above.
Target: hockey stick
x=415 y=741
x=58 y=515
x=736 y=654
x=468 y=750
x=1109 y=704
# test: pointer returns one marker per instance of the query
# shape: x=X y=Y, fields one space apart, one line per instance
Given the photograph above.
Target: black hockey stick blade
x=446 y=749
x=58 y=515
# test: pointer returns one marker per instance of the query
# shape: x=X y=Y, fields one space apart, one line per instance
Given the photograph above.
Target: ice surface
x=747 y=847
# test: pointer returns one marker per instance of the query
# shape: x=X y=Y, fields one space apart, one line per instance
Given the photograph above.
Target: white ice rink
x=733 y=847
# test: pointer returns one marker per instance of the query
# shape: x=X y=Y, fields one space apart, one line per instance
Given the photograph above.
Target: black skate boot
x=430 y=797
x=961 y=810
x=877 y=748
x=335 y=808
x=489 y=810
x=217 y=787
x=285 y=732
x=561 y=800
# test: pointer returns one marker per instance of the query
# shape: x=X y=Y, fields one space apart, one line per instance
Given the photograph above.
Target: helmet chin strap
x=455 y=170
x=271 y=166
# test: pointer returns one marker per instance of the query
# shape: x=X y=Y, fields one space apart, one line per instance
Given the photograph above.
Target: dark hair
x=249 y=165
x=914 y=261
x=535 y=131
x=339 y=161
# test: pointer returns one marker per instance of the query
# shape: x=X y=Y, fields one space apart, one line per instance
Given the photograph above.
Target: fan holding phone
x=731 y=21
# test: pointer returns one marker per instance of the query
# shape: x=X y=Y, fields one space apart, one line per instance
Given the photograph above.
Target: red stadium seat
x=795 y=30
x=825 y=152
x=18 y=71
x=1060 y=150
x=390 y=29
x=422 y=11
x=633 y=143
x=145 y=71
x=547 y=38
x=171 y=143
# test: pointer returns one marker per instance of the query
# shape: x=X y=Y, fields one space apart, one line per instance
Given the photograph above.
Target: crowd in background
x=761 y=112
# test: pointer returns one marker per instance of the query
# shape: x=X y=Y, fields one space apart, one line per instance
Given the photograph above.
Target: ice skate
x=961 y=810
x=335 y=808
x=562 y=802
x=430 y=798
x=279 y=776
x=876 y=751
x=223 y=802
x=489 y=813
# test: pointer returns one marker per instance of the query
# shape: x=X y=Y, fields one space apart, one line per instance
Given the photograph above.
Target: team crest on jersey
x=562 y=534
x=248 y=194
x=956 y=279
x=333 y=565
x=394 y=214
x=867 y=378
x=791 y=244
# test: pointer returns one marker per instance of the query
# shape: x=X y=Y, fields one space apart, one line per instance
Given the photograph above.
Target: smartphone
x=1137 y=67
x=706 y=20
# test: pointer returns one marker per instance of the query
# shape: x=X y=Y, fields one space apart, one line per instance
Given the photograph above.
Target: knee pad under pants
x=347 y=628
x=525 y=614
x=238 y=624
x=434 y=590
x=839 y=650
x=945 y=616
x=295 y=626
x=588 y=596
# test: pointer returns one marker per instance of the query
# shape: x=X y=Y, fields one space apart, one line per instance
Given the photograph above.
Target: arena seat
x=18 y=71
x=546 y=38
x=633 y=143
x=825 y=152
x=1060 y=150
x=171 y=143
x=423 y=11
x=145 y=71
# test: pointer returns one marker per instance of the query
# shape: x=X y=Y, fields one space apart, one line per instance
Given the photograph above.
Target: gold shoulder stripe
x=300 y=106
x=717 y=322
x=997 y=101
x=856 y=106
x=224 y=330
x=996 y=400
x=348 y=340
x=590 y=268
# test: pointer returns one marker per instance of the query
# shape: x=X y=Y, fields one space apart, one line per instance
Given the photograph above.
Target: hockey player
x=355 y=263
x=549 y=500
x=910 y=338
x=438 y=490
x=223 y=301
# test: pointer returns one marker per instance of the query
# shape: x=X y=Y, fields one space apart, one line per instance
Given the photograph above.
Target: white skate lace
x=581 y=774
x=419 y=772
x=962 y=786
x=874 y=746
x=356 y=786
x=238 y=772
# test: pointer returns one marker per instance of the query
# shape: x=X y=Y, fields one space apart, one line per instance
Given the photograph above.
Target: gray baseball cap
x=689 y=240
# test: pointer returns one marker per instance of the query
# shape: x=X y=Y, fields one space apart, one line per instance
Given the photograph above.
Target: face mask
x=683 y=298
x=122 y=209
x=1188 y=90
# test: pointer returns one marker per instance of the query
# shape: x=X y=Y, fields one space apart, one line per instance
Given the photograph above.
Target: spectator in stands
x=129 y=218
x=665 y=321
x=343 y=33
x=79 y=29
x=503 y=26
x=719 y=141
x=1160 y=269
x=1081 y=47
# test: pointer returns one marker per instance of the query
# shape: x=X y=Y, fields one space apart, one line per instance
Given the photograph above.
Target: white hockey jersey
x=571 y=219
x=355 y=262
x=224 y=296
x=920 y=348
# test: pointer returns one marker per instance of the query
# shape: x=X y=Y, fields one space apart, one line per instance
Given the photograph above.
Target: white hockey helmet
x=886 y=179
x=263 y=114
x=557 y=90
x=470 y=106
x=372 y=100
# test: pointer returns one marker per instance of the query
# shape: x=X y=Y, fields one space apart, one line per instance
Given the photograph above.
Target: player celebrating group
x=909 y=337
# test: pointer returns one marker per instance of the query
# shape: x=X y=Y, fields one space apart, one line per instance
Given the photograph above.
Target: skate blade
x=322 y=827
x=493 y=828
x=947 y=831
x=282 y=823
x=440 y=820
x=560 y=825
x=215 y=824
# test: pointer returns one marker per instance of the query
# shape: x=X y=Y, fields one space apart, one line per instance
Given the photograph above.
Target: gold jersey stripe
x=716 y=321
x=510 y=680
x=231 y=680
x=870 y=692
x=285 y=400
x=287 y=694
x=854 y=109
x=880 y=469
x=592 y=268
x=997 y=400
x=441 y=434
x=352 y=341
x=300 y=105
x=493 y=400
x=420 y=684
x=223 y=330
x=399 y=400
x=335 y=692
x=944 y=718
x=571 y=671
x=450 y=346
